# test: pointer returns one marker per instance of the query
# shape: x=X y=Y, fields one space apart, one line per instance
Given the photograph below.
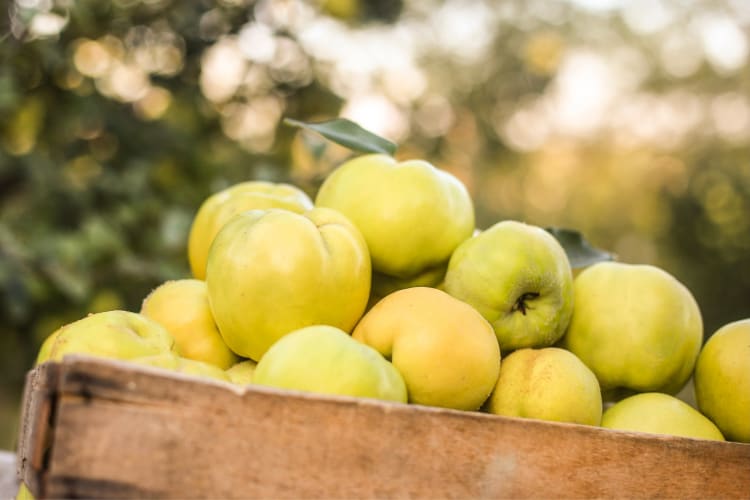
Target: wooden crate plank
x=124 y=431
x=37 y=411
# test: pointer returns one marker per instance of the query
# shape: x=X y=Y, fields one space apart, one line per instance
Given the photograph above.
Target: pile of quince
x=382 y=287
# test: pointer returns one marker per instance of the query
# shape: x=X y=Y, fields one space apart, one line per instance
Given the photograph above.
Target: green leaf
x=348 y=134
x=580 y=252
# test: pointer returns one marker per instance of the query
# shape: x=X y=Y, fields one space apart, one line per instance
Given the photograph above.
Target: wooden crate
x=99 y=428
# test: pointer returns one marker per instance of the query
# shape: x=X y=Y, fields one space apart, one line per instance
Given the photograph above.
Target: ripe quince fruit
x=173 y=362
x=519 y=278
x=659 y=413
x=242 y=372
x=412 y=214
x=722 y=380
x=181 y=306
x=109 y=334
x=271 y=272
x=218 y=208
x=547 y=384
x=445 y=350
x=326 y=360
x=635 y=326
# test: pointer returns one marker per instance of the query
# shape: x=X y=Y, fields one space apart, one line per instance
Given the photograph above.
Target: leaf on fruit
x=580 y=252
x=348 y=134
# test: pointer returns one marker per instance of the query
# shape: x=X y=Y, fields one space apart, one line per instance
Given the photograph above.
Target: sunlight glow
x=47 y=24
x=724 y=43
x=730 y=113
x=222 y=70
x=377 y=113
x=257 y=43
x=647 y=16
x=681 y=53
x=585 y=87
x=91 y=58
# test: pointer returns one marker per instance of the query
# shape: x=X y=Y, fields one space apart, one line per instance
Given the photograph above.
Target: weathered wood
x=37 y=407
x=127 y=431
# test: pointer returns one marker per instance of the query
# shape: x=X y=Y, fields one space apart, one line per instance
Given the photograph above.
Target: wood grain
x=127 y=431
x=35 y=432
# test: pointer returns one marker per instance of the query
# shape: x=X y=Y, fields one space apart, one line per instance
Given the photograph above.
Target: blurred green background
x=626 y=120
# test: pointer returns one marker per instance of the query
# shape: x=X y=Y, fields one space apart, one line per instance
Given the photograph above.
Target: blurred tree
x=629 y=121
